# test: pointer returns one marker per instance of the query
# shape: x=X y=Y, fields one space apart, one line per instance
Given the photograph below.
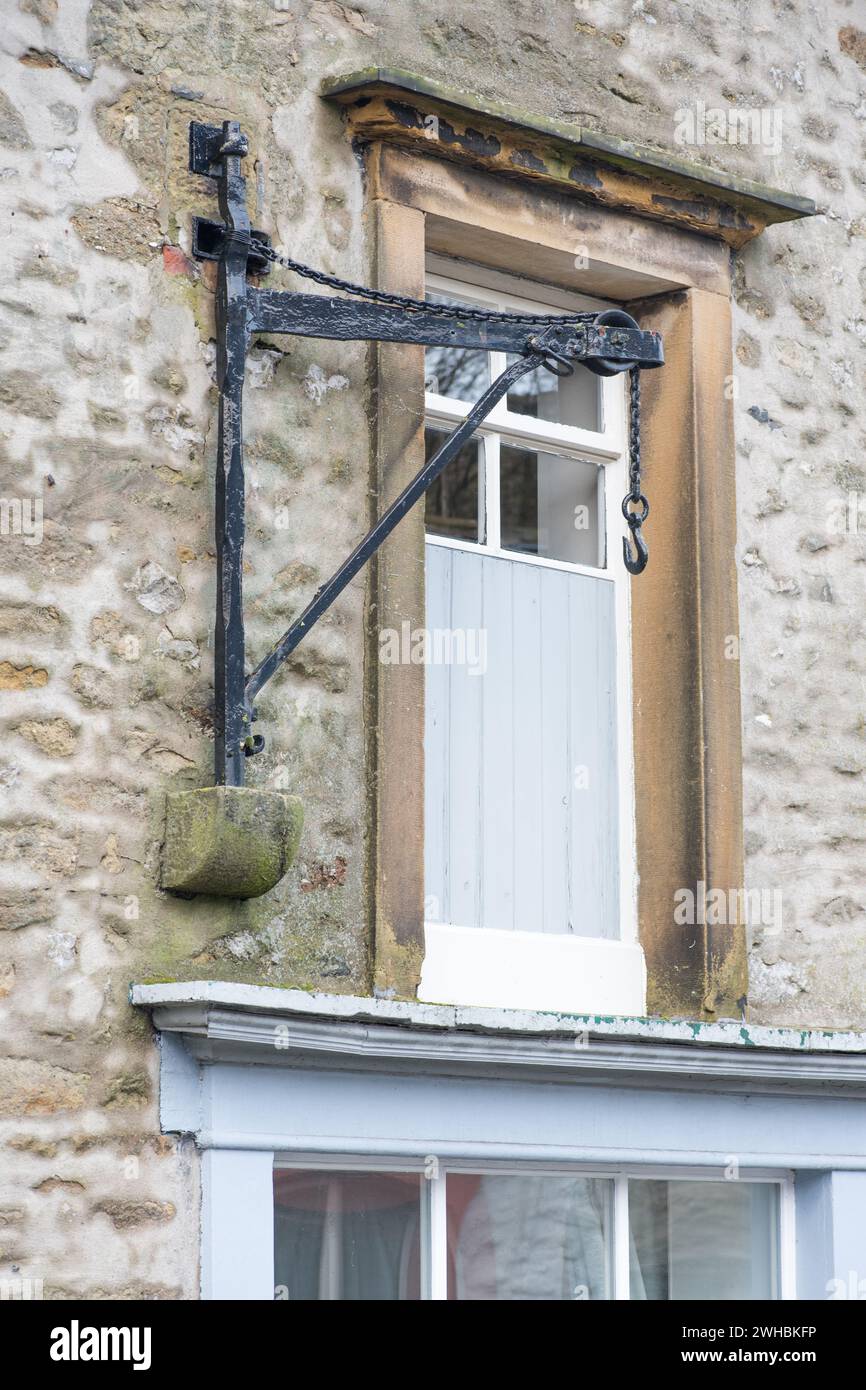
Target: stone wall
x=107 y=421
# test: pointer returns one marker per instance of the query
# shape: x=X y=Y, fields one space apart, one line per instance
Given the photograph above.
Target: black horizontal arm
x=321 y=316
x=325 y=596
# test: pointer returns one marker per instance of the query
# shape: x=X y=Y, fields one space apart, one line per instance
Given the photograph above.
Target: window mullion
x=787 y=1243
x=621 y=1240
x=492 y=513
x=434 y=1246
x=498 y=363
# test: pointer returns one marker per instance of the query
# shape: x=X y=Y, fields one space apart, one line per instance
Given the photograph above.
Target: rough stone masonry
x=107 y=420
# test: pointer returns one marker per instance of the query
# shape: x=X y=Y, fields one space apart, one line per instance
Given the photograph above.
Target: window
x=347 y=1235
x=512 y=1235
x=532 y=482
x=703 y=1240
x=686 y=785
x=529 y=823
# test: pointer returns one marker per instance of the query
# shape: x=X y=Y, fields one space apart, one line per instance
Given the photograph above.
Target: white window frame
x=434 y=1245
x=470 y=965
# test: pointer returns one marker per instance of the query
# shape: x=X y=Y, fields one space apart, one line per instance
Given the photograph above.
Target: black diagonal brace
x=411 y=494
x=612 y=343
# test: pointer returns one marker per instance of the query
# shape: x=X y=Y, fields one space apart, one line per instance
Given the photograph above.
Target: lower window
x=361 y=1233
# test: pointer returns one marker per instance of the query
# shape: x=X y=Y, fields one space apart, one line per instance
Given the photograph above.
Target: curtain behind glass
x=703 y=1240
x=347 y=1236
x=529 y=1237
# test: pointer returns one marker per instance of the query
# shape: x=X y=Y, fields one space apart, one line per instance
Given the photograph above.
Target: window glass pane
x=550 y=506
x=461 y=373
x=703 y=1240
x=526 y=1238
x=353 y=1236
x=566 y=400
x=451 y=505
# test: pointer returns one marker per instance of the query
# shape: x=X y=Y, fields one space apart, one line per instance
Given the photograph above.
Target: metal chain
x=405 y=301
x=634 y=435
x=634 y=497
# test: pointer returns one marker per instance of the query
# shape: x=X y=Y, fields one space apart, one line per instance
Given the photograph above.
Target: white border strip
x=267 y=999
x=531 y=970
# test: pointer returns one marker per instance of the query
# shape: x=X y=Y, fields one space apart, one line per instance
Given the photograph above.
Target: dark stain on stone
x=525 y=159
x=585 y=174
x=763 y=417
x=472 y=141
x=690 y=206
x=334 y=967
x=406 y=115
x=732 y=217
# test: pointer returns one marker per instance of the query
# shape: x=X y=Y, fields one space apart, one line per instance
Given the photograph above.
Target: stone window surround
x=459 y=178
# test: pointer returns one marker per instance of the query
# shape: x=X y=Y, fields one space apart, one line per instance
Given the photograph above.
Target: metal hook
x=559 y=365
x=554 y=361
x=638 y=565
x=635 y=521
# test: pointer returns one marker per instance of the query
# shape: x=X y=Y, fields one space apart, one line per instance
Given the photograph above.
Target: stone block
x=232 y=842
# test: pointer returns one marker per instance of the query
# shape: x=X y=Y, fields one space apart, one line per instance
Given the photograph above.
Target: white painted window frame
x=468 y=965
x=434 y=1254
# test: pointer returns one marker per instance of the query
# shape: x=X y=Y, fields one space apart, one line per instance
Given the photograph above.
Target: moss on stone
x=234 y=842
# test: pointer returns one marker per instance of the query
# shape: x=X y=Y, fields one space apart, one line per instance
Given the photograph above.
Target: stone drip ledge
x=199 y=996
x=409 y=110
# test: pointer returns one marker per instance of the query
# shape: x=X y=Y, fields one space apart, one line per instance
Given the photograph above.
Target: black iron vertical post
x=231 y=315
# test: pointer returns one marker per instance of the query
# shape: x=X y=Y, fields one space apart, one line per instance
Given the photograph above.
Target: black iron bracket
x=208 y=239
x=609 y=344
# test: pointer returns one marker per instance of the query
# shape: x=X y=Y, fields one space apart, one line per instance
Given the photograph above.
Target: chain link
x=636 y=563
x=405 y=301
x=634 y=497
x=634 y=435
